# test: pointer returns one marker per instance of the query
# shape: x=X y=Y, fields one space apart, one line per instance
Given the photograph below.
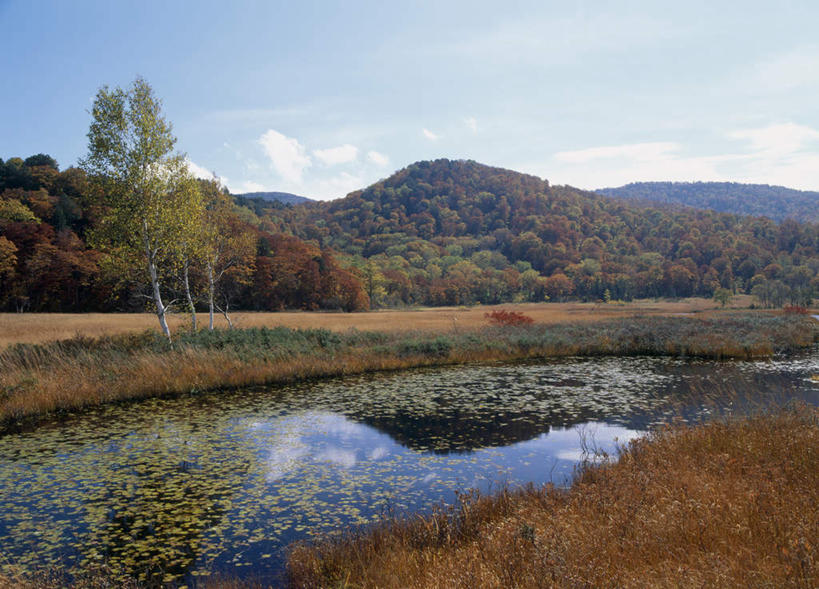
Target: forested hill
x=47 y=261
x=458 y=232
x=776 y=202
x=435 y=233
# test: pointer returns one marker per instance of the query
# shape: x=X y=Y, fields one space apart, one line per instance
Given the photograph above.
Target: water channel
x=176 y=489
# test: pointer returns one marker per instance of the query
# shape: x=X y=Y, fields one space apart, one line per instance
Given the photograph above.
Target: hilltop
x=460 y=232
x=776 y=202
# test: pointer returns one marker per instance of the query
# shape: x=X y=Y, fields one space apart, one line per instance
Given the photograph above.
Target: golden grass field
x=43 y=327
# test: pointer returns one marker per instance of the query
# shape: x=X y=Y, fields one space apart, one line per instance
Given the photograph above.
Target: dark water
x=171 y=490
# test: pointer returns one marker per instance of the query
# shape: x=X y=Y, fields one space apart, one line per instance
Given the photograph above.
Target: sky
x=323 y=98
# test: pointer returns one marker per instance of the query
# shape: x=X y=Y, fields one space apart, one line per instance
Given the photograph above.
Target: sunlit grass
x=45 y=327
x=727 y=504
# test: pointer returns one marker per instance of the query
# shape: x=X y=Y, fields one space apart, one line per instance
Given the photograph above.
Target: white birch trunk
x=190 y=298
x=160 y=308
x=211 y=289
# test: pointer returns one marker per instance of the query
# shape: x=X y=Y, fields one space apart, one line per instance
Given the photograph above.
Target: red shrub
x=502 y=317
x=795 y=310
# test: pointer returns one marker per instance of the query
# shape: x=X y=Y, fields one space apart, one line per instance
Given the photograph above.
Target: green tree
x=374 y=283
x=150 y=201
x=722 y=296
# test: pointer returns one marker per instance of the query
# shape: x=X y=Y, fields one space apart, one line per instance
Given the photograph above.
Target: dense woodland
x=458 y=232
x=435 y=233
x=47 y=217
x=777 y=202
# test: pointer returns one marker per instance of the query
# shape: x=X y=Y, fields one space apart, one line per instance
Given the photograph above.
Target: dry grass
x=44 y=327
x=37 y=380
x=728 y=504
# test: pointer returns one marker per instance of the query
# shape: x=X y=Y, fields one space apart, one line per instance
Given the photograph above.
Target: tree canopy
x=150 y=203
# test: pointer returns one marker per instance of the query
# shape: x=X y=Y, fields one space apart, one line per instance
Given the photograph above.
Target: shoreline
x=733 y=502
x=128 y=367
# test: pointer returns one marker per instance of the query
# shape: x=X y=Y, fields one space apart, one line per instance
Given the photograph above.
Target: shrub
x=795 y=310
x=504 y=318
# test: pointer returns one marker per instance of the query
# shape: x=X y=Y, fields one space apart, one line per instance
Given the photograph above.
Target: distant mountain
x=775 y=202
x=285 y=197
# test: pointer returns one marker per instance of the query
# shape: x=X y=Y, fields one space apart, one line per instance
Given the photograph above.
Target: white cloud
x=336 y=186
x=338 y=457
x=379 y=159
x=287 y=155
x=471 y=123
x=247 y=186
x=337 y=155
x=199 y=171
x=785 y=154
x=378 y=453
x=284 y=457
x=778 y=140
x=430 y=135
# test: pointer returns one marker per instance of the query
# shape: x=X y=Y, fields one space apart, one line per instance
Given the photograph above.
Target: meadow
x=44 y=327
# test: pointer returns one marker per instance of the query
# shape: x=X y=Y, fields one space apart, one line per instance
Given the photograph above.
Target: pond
x=172 y=490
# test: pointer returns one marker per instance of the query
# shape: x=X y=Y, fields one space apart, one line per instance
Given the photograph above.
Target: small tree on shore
x=150 y=203
x=723 y=296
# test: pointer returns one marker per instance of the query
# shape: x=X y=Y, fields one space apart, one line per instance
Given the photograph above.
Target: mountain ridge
x=772 y=201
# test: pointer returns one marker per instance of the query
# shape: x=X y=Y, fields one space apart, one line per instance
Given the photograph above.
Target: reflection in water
x=172 y=489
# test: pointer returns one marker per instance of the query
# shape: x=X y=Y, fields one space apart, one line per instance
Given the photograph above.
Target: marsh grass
x=733 y=503
x=37 y=380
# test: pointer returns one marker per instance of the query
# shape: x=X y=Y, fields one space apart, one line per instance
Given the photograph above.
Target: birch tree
x=150 y=202
x=227 y=250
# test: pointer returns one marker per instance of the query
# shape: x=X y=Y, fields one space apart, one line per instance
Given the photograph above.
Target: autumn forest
x=435 y=233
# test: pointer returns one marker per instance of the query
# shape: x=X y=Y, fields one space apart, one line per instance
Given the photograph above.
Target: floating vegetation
x=170 y=490
x=34 y=377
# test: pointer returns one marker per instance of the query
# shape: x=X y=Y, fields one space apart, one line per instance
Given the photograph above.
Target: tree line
x=130 y=228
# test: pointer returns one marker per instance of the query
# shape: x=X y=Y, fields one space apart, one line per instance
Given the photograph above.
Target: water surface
x=173 y=489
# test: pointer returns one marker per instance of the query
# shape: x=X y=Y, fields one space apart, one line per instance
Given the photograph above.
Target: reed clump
x=726 y=504
x=37 y=380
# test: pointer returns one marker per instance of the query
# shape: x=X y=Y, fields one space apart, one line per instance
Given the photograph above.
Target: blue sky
x=321 y=98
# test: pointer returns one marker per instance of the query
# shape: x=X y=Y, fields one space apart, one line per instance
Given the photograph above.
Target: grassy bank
x=37 y=380
x=728 y=504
